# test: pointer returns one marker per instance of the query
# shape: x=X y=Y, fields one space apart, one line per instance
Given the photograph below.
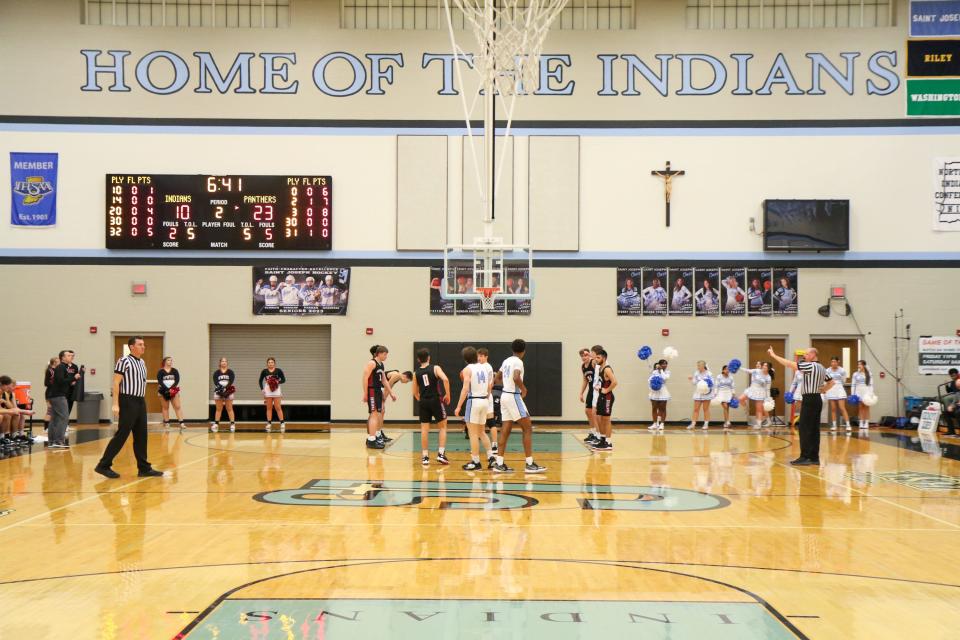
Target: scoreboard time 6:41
x=204 y=212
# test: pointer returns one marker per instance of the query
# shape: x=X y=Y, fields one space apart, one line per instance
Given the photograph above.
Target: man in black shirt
x=65 y=376
x=951 y=402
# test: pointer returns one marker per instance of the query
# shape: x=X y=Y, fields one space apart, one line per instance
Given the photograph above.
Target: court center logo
x=489 y=495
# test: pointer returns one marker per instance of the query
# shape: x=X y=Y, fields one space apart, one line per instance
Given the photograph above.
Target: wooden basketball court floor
x=306 y=535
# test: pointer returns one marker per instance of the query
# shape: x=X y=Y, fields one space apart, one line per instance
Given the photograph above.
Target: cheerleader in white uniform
x=724 y=386
x=862 y=386
x=836 y=395
x=660 y=397
x=759 y=390
x=701 y=400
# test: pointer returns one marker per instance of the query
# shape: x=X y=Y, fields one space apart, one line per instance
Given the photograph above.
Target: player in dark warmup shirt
x=433 y=394
x=374 y=382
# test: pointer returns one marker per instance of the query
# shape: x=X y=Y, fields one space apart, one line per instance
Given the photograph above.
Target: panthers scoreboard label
x=33 y=184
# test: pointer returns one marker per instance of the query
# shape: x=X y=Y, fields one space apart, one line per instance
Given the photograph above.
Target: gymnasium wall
x=574 y=306
x=888 y=179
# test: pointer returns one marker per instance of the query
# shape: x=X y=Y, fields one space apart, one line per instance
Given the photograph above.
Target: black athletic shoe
x=533 y=467
x=375 y=444
x=591 y=439
x=106 y=471
x=502 y=468
x=425 y=461
x=804 y=462
x=150 y=473
x=491 y=462
x=442 y=458
x=473 y=466
x=384 y=437
x=602 y=445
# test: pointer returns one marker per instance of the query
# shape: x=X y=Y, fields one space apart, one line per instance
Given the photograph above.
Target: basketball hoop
x=488 y=297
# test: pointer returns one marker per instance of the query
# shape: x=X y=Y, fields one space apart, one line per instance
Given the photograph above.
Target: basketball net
x=509 y=37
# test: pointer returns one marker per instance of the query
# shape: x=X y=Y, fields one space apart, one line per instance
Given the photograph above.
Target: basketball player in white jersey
x=493 y=419
x=477 y=380
x=514 y=410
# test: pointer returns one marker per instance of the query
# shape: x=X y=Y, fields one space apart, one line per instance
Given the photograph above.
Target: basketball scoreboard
x=204 y=212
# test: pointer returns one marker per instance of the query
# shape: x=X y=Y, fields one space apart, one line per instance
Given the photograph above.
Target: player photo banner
x=681 y=291
x=629 y=280
x=759 y=290
x=653 y=296
x=706 y=297
x=33 y=184
x=786 y=287
x=439 y=306
x=301 y=290
x=733 y=297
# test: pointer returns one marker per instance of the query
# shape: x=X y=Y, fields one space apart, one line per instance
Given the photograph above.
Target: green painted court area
x=545 y=442
x=473 y=619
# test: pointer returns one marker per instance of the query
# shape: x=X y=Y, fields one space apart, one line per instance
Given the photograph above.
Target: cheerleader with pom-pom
x=703 y=392
x=836 y=395
x=862 y=387
x=759 y=390
x=659 y=394
x=724 y=385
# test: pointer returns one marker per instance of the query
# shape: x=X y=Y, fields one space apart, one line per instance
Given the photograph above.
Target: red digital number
x=263 y=212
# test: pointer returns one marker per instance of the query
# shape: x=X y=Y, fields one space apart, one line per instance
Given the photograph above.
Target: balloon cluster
x=734 y=403
x=854 y=400
x=645 y=352
x=656 y=383
x=788 y=397
x=734 y=365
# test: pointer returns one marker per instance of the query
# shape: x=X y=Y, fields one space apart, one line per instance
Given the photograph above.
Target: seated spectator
x=951 y=402
x=12 y=417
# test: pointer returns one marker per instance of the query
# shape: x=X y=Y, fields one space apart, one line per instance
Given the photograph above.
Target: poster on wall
x=759 y=289
x=518 y=281
x=297 y=290
x=733 y=298
x=33 y=185
x=786 y=288
x=628 y=291
x=465 y=284
x=707 y=292
x=938 y=354
x=654 y=293
x=438 y=306
x=681 y=296
x=946 y=194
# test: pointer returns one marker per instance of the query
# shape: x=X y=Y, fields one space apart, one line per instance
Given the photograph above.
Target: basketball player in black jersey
x=374 y=382
x=394 y=377
x=431 y=383
x=607 y=382
x=587 y=366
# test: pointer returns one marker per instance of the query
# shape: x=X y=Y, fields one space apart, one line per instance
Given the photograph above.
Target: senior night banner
x=301 y=290
x=33 y=183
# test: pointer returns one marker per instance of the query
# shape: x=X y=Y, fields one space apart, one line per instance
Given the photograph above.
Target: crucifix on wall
x=667 y=175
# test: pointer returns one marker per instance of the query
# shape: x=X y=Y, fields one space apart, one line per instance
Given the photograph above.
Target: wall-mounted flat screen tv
x=806 y=225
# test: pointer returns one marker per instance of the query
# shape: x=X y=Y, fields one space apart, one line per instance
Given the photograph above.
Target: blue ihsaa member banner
x=33 y=178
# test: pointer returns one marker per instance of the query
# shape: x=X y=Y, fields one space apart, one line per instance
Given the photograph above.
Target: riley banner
x=33 y=182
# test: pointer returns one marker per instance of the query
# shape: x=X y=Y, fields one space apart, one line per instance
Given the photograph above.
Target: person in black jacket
x=168 y=388
x=64 y=378
x=47 y=383
x=223 y=390
x=270 y=380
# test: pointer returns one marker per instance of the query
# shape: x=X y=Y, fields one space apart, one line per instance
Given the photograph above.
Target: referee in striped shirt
x=130 y=407
x=815 y=382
